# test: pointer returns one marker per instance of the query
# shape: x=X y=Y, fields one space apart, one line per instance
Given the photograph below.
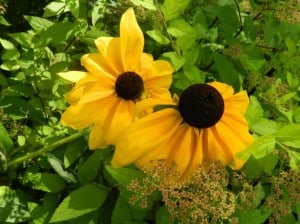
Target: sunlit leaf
x=289 y=135
x=173 y=8
x=80 y=202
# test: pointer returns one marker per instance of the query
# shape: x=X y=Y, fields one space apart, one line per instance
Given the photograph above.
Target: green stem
x=165 y=27
x=43 y=150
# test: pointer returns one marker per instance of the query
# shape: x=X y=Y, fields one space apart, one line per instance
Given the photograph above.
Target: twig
x=43 y=150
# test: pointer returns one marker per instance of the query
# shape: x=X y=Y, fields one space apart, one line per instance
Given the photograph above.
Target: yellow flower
x=117 y=77
x=206 y=125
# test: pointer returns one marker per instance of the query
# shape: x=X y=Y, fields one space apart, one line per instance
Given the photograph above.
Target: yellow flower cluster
x=121 y=86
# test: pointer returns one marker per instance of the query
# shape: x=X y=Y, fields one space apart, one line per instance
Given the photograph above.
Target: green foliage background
x=47 y=173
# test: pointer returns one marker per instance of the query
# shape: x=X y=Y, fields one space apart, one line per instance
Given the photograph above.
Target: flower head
x=117 y=78
x=207 y=125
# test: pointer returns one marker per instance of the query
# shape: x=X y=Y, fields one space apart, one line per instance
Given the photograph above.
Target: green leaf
x=227 y=71
x=191 y=56
x=57 y=33
x=91 y=167
x=158 y=37
x=162 y=215
x=227 y=16
x=264 y=126
x=25 y=39
x=148 y=4
x=3 y=21
x=38 y=23
x=57 y=166
x=254 y=111
x=47 y=182
x=12 y=206
x=293 y=80
x=19 y=108
x=122 y=175
x=73 y=151
x=80 y=202
x=10 y=54
x=6 y=144
x=249 y=27
x=268 y=163
x=54 y=8
x=253 y=216
x=42 y=213
x=289 y=135
x=294 y=159
x=180 y=27
x=290 y=44
x=125 y=212
x=176 y=60
x=194 y=74
x=73 y=6
x=172 y=9
x=261 y=147
x=98 y=11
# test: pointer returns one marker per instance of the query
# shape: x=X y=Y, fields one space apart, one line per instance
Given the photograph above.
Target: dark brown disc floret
x=201 y=105
x=129 y=86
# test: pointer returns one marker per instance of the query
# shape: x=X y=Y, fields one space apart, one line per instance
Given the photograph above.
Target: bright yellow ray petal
x=163 y=67
x=96 y=140
x=225 y=90
x=196 y=157
x=84 y=85
x=161 y=94
x=158 y=82
x=73 y=76
x=183 y=148
x=120 y=116
x=163 y=98
x=80 y=116
x=237 y=103
x=94 y=64
x=110 y=49
x=132 y=40
x=145 y=67
x=214 y=147
x=145 y=135
x=95 y=93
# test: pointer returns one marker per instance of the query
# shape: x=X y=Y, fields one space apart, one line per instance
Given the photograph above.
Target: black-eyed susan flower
x=104 y=97
x=206 y=125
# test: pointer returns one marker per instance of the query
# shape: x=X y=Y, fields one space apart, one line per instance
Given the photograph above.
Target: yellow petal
x=228 y=137
x=73 y=76
x=145 y=67
x=214 y=148
x=120 y=116
x=158 y=82
x=237 y=103
x=96 y=140
x=110 y=49
x=80 y=116
x=224 y=89
x=196 y=157
x=83 y=89
x=183 y=147
x=132 y=40
x=95 y=64
x=149 y=103
x=163 y=67
x=145 y=135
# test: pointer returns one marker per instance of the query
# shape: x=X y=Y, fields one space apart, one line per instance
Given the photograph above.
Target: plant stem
x=43 y=150
x=165 y=27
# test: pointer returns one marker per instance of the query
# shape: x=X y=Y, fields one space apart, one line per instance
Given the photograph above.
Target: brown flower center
x=201 y=105
x=129 y=86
